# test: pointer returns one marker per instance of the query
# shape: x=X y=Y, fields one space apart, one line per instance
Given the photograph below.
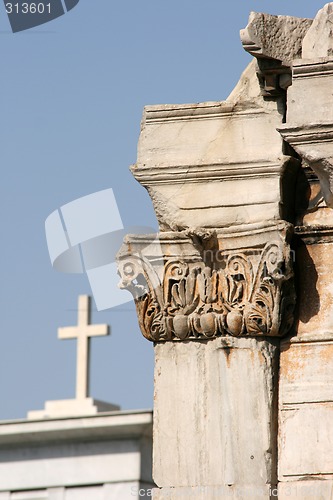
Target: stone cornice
x=268 y=184
x=167 y=112
x=313 y=235
x=198 y=111
x=308 y=68
x=131 y=424
x=199 y=172
x=310 y=134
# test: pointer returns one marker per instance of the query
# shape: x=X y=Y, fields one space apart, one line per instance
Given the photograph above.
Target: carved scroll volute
x=270 y=308
x=247 y=295
x=140 y=278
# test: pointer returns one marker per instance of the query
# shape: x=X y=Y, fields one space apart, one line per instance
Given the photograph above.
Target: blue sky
x=72 y=96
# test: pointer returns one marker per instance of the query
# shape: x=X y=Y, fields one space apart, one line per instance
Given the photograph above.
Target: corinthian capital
x=186 y=287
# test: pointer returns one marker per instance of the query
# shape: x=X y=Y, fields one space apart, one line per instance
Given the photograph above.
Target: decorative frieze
x=198 y=288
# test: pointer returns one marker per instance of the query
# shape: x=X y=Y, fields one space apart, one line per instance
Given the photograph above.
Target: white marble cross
x=82 y=332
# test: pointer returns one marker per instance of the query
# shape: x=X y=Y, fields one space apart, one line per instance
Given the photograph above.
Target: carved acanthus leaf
x=194 y=301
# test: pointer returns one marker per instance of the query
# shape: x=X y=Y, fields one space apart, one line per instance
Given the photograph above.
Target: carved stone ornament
x=187 y=290
x=275 y=41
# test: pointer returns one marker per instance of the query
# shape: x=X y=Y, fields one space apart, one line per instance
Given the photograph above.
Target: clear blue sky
x=72 y=95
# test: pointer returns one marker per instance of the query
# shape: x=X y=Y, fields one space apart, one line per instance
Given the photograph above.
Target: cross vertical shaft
x=82 y=332
x=83 y=349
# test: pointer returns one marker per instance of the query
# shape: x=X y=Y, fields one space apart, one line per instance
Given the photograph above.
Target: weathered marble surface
x=275 y=37
x=306 y=363
x=318 y=41
x=306 y=411
x=205 y=408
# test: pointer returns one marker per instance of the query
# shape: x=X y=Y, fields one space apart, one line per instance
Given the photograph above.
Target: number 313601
x=28 y=8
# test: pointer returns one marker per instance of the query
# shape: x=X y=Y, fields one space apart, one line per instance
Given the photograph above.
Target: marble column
x=214 y=289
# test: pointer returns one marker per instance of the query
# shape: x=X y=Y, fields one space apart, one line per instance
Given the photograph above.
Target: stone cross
x=82 y=332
